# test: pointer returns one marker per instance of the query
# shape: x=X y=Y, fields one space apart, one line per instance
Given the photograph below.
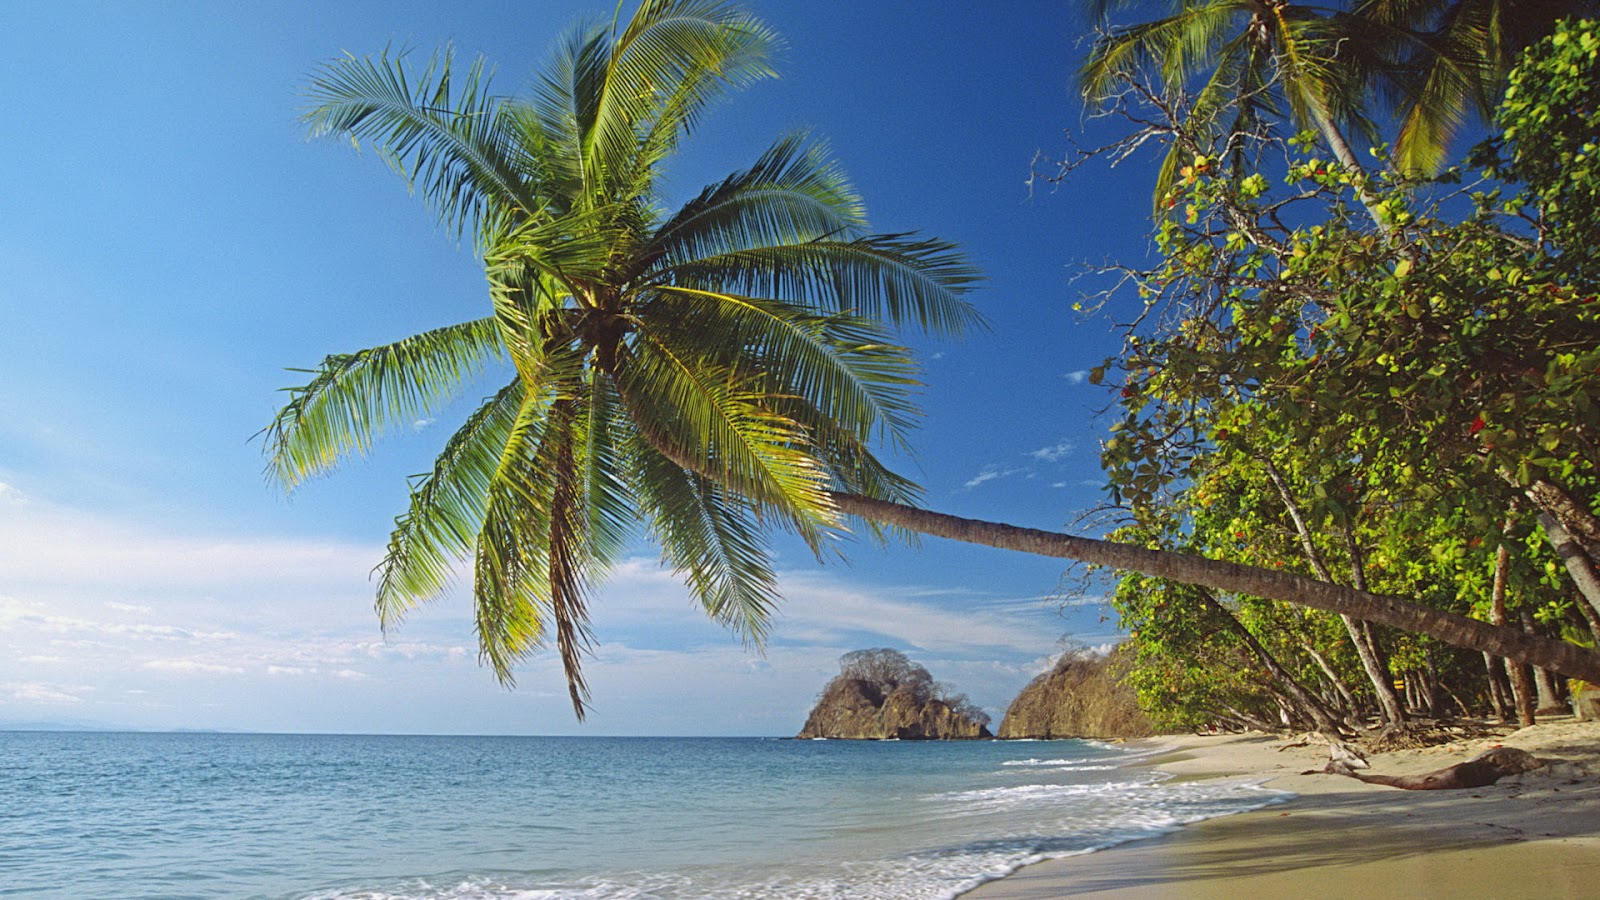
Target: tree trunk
x=1367 y=648
x=1544 y=685
x=1573 y=515
x=1580 y=566
x=1352 y=708
x=1305 y=702
x=1347 y=158
x=1522 y=689
x=1521 y=682
x=1393 y=716
x=1456 y=630
x=1499 y=689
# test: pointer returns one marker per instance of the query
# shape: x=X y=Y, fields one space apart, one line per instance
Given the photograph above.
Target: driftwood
x=1482 y=770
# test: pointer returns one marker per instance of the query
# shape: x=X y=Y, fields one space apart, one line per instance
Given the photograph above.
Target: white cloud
x=42 y=543
x=824 y=611
x=279 y=635
x=192 y=665
x=1054 y=453
x=989 y=473
x=34 y=692
x=1078 y=376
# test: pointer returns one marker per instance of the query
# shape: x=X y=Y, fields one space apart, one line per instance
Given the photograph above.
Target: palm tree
x=710 y=373
x=714 y=370
x=1334 y=68
x=1448 y=62
x=1250 y=62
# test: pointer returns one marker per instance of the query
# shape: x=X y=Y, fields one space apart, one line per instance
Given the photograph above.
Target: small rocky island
x=881 y=695
x=1080 y=697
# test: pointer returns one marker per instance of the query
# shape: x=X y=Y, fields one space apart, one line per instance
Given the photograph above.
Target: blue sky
x=170 y=243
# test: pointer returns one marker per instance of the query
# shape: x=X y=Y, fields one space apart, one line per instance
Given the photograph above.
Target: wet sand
x=1529 y=836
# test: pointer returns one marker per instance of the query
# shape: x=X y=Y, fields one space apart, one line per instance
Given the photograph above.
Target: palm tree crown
x=710 y=372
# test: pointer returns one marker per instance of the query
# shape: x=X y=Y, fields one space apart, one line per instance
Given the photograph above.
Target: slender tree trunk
x=1305 y=702
x=1393 y=715
x=1347 y=158
x=1456 y=630
x=1499 y=689
x=1352 y=707
x=1549 y=696
x=1367 y=648
x=1521 y=681
x=1580 y=565
x=1221 y=575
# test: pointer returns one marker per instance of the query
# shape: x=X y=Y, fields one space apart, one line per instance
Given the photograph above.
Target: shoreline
x=1531 y=836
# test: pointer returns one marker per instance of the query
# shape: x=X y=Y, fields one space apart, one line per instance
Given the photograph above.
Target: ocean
x=358 y=817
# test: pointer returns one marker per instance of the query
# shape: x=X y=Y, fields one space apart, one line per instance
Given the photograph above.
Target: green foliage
x=1362 y=401
x=1550 y=124
x=708 y=373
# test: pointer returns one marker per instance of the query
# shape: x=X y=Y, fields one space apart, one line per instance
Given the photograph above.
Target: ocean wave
x=1071 y=765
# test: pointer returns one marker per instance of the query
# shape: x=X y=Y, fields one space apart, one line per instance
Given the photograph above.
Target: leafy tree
x=710 y=372
x=1385 y=387
x=1254 y=62
x=1426 y=65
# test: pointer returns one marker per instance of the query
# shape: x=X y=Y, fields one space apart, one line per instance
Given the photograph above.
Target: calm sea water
x=384 y=818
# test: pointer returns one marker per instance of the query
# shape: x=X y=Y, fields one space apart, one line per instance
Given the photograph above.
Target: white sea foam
x=1069 y=765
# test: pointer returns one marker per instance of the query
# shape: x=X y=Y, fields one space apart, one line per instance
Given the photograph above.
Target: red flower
x=1477 y=425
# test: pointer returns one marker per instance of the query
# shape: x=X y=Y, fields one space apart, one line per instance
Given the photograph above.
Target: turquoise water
x=385 y=818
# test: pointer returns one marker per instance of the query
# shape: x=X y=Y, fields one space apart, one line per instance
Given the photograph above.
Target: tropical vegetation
x=712 y=371
x=716 y=371
x=1402 y=405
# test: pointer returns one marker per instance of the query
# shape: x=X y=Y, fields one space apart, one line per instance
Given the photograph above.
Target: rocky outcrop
x=1080 y=697
x=875 y=701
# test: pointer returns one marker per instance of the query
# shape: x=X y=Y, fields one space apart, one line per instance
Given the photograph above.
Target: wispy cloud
x=990 y=473
x=38 y=693
x=1077 y=376
x=1054 y=453
x=192 y=665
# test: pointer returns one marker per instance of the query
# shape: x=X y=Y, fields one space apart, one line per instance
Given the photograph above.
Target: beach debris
x=1339 y=751
x=1482 y=770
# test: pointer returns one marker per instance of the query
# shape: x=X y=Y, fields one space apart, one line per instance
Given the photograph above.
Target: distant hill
x=879 y=695
x=1080 y=697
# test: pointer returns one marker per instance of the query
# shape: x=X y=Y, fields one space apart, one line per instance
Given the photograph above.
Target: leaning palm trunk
x=1460 y=631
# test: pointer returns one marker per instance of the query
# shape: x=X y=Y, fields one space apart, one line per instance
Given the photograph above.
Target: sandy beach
x=1530 y=836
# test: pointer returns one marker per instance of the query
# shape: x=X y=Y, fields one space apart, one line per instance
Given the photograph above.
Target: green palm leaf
x=354 y=398
x=452 y=144
x=447 y=506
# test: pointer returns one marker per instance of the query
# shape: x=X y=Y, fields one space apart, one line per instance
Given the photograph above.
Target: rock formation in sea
x=1080 y=697
x=881 y=695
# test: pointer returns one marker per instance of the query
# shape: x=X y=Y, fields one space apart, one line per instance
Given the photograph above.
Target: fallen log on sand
x=1482 y=770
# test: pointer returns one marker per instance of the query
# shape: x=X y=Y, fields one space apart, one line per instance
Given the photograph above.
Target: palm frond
x=355 y=398
x=711 y=420
x=844 y=366
x=794 y=193
x=712 y=539
x=673 y=58
x=512 y=553
x=450 y=144
x=446 y=509
x=893 y=276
